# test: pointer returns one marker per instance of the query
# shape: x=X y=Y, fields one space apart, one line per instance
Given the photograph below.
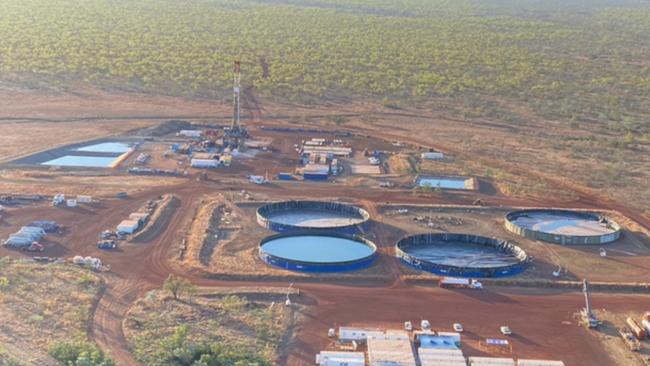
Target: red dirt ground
x=538 y=317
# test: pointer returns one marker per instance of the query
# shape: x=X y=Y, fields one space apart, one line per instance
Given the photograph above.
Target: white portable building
x=521 y=362
x=432 y=156
x=71 y=203
x=139 y=216
x=354 y=334
x=330 y=358
x=191 y=133
x=491 y=361
x=128 y=226
x=204 y=163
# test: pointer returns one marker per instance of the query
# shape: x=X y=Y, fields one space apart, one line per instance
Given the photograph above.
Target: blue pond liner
x=317 y=252
x=82 y=161
x=107 y=147
x=442 y=182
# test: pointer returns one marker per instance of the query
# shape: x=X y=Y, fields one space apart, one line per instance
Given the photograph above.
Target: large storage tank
x=294 y=216
x=563 y=226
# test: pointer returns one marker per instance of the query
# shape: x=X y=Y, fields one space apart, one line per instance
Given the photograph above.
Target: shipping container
x=285 y=176
x=315 y=176
x=71 y=203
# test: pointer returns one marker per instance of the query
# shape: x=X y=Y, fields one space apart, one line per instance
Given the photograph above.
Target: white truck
x=454 y=282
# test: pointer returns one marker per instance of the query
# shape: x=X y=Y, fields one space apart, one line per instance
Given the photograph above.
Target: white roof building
x=491 y=361
x=328 y=358
x=432 y=155
x=354 y=334
x=392 y=348
x=521 y=362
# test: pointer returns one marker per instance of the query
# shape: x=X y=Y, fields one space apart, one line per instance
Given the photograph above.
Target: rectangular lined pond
x=107 y=147
x=82 y=161
x=445 y=182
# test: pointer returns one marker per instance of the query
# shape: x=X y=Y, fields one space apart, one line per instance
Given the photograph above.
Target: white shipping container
x=71 y=203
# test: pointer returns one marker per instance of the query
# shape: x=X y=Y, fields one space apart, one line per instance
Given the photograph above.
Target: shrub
x=80 y=353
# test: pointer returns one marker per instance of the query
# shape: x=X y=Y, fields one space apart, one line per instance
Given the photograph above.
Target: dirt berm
x=158 y=220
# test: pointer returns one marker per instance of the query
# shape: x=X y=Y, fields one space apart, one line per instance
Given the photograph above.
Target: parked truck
x=453 y=282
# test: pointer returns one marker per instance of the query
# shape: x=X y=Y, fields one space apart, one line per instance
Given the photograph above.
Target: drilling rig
x=235 y=136
x=587 y=316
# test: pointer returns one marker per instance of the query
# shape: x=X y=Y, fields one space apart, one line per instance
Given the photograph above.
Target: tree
x=178 y=286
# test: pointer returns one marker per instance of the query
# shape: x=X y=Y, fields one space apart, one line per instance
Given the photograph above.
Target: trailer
x=629 y=339
x=453 y=282
x=639 y=332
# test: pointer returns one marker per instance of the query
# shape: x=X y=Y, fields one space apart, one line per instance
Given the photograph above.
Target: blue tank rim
x=306 y=266
x=262 y=214
x=457 y=271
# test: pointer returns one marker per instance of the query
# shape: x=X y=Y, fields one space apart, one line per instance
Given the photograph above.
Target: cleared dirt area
x=542 y=320
x=159 y=219
x=23 y=138
x=625 y=262
x=614 y=344
x=41 y=304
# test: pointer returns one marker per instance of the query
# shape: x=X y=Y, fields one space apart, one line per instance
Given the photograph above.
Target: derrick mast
x=234 y=136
